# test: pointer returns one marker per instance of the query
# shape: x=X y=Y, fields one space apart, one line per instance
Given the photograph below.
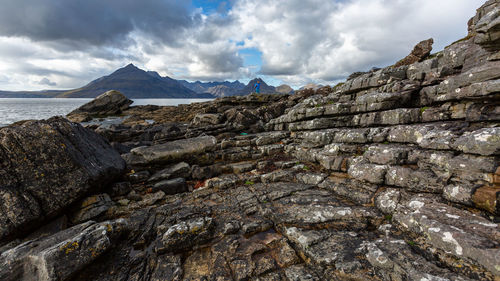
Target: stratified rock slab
x=454 y=232
x=59 y=256
x=170 y=152
x=47 y=165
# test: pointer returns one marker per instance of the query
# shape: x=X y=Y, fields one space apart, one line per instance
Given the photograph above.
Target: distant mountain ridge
x=31 y=94
x=134 y=82
x=218 y=89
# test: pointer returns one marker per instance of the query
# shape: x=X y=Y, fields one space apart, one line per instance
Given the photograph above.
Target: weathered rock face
x=47 y=165
x=60 y=256
x=419 y=52
x=392 y=175
x=171 y=152
x=110 y=103
x=485 y=26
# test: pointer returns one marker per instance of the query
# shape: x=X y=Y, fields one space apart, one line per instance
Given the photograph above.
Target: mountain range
x=134 y=82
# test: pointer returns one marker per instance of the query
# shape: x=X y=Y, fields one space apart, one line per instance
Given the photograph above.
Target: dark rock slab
x=173 y=186
x=110 y=103
x=92 y=207
x=47 y=165
x=181 y=169
x=171 y=151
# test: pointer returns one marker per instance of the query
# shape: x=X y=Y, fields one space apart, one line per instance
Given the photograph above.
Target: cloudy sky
x=63 y=44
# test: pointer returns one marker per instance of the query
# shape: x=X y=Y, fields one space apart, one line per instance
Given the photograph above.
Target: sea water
x=17 y=109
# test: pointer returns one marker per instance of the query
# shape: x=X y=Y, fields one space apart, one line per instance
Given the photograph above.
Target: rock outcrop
x=392 y=175
x=110 y=103
x=46 y=166
x=419 y=53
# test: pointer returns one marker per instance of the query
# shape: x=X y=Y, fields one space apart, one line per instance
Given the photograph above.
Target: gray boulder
x=46 y=166
x=110 y=103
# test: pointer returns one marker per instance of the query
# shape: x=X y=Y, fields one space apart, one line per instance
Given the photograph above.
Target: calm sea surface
x=13 y=110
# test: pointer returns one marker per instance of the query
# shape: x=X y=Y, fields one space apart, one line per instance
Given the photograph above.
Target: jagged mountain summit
x=264 y=88
x=134 y=82
x=218 y=89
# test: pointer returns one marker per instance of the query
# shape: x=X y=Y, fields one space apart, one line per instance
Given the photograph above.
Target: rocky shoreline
x=392 y=175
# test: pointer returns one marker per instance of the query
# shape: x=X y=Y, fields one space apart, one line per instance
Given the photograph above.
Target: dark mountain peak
x=134 y=82
x=130 y=66
x=264 y=88
x=253 y=81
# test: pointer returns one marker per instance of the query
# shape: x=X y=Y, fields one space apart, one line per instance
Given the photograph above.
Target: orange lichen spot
x=70 y=247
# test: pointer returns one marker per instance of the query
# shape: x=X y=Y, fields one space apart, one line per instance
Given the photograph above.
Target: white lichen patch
x=416 y=205
x=486 y=224
x=453 y=216
x=448 y=237
x=483 y=137
x=455 y=191
x=435 y=229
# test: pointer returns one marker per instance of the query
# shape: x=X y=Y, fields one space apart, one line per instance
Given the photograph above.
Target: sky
x=64 y=44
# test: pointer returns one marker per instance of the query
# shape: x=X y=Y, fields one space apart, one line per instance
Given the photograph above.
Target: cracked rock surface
x=392 y=175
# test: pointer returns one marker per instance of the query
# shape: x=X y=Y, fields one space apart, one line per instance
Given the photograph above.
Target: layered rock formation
x=45 y=167
x=110 y=103
x=392 y=175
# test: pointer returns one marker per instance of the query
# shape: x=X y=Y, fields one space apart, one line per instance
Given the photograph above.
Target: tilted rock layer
x=392 y=175
x=47 y=165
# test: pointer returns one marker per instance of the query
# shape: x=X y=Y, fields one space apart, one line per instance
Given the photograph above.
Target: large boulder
x=110 y=103
x=47 y=165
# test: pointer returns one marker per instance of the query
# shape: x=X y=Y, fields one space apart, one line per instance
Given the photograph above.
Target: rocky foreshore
x=392 y=175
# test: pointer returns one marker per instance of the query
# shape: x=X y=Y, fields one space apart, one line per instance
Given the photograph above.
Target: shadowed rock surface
x=110 y=103
x=46 y=166
x=392 y=175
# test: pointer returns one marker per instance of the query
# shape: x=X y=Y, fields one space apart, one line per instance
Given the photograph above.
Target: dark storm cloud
x=27 y=67
x=95 y=22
